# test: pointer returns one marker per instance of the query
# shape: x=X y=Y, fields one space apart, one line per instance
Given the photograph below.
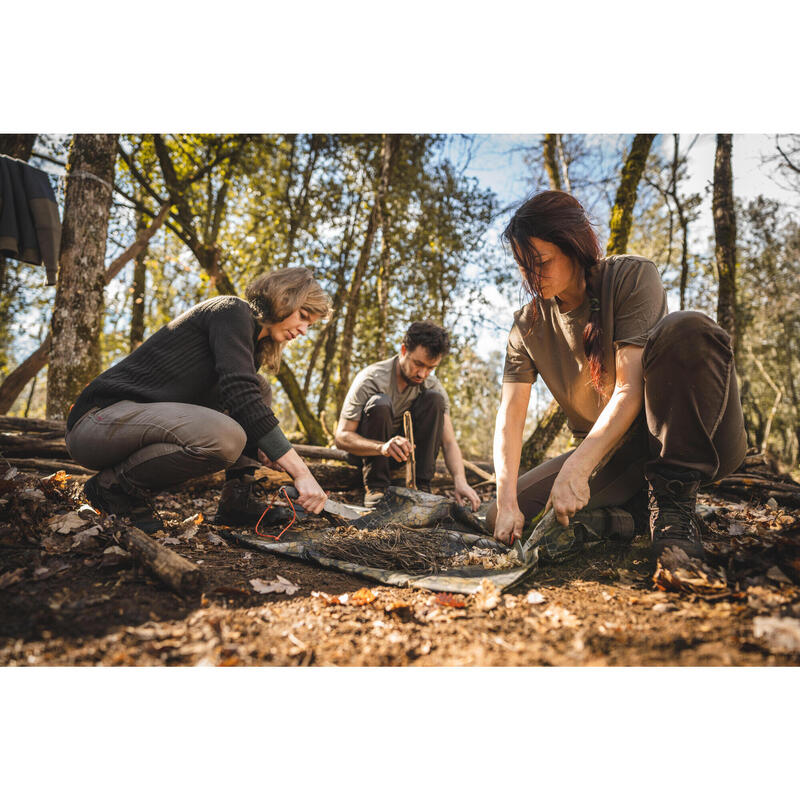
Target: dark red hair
x=558 y=218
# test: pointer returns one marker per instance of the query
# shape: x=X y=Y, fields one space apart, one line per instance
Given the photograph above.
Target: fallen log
x=48 y=465
x=170 y=568
x=47 y=445
x=758 y=487
x=32 y=425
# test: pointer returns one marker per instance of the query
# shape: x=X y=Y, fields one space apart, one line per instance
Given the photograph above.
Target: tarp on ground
x=460 y=531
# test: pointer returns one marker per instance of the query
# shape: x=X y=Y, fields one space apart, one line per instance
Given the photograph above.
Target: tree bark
x=622 y=213
x=78 y=311
x=725 y=239
x=138 y=287
x=551 y=160
x=17 y=145
x=553 y=419
x=388 y=148
x=311 y=424
x=547 y=429
x=16 y=380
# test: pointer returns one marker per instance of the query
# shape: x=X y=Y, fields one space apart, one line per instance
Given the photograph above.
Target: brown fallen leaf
x=10 y=578
x=329 y=599
x=452 y=600
x=363 y=597
x=679 y=572
x=400 y=609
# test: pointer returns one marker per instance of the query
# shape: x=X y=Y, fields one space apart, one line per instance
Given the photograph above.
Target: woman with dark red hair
x=651 y=396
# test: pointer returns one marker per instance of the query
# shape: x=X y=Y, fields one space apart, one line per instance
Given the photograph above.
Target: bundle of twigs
x=393 y=547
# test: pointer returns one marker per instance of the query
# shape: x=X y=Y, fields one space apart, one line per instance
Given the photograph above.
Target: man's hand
x=310 y=493
x=465 y=493
x=398 y=448
x=508 y=525
x=570 y=492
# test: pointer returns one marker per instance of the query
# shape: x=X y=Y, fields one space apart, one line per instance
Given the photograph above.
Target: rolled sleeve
x=519 y=366
x=640 y=302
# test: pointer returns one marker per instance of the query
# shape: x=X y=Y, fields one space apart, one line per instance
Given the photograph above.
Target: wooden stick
x=170 y=568
x=478 y=471
x=411 y=463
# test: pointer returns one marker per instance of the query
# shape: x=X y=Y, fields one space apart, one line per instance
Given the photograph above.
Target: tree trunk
x=551 y=160
x=15 y=382
x=138 y=288
x=311 y=424
x=622 y=213
x=725 y=237
x=547 y=429
x=553 y=419
x=78 y=311
x=388 y=148
x=17 y=145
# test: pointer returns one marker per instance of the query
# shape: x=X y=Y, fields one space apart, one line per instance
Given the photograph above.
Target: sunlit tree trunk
x=622 y=213
x=725 y=239
x=388 y=147
x=78 y=311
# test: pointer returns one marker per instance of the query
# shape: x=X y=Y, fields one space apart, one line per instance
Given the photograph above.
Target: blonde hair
x=275 y=296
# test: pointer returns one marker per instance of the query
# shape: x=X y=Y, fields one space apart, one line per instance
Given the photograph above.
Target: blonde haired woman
x=189 y=402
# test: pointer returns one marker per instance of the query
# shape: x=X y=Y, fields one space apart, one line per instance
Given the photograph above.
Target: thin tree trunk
x=16 y=380
x=553 y=419
x=622 y=213
x=78 y=311
x=684 y=223
x=138 y=286
x=549 y=147
x=725 y=238
x=311 y=424
x=388 y=147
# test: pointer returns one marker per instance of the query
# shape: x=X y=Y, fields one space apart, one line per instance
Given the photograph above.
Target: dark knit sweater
x=205 y=357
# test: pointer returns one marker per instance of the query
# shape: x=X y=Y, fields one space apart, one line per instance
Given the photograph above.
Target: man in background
x=370 y=425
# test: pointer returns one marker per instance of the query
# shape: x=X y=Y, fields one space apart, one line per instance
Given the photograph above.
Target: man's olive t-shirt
x=381 y=378
x=632 y=301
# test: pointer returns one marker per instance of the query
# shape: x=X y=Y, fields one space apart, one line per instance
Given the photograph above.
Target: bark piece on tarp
x=416 y=509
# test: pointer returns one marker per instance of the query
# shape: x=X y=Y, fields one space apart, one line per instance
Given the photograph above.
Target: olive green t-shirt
x=381 y=378
x=632 y=301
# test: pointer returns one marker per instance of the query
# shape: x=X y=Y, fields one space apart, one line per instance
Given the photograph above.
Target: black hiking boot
x=114 y=500
x=672 y=502
x=242 y=502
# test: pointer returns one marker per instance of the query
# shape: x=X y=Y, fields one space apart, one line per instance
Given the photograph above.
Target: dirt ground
x=74 y=598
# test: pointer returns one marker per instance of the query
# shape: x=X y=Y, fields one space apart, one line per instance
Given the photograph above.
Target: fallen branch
x=48 y=465
x=170 y=568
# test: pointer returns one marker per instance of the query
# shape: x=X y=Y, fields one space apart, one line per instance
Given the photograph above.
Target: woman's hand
x=508 y=525
x=310 y=493
x=570 y=492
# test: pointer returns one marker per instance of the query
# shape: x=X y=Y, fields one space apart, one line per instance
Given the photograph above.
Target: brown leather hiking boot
x=114 y=500
x=242 y=502
x=673 y=521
